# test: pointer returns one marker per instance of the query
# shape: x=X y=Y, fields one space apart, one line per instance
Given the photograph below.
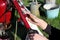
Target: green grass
x=54 y=22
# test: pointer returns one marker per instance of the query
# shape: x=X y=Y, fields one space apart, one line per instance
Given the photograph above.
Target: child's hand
x=33 y=19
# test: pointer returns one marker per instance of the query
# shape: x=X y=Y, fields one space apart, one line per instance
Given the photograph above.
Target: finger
x=28 y=19
x=33 y=17
x=39 y=37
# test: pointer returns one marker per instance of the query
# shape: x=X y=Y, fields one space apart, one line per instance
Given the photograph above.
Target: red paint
x=21 y=14
x=3 y=7
x=6 y=18
x=7 y=15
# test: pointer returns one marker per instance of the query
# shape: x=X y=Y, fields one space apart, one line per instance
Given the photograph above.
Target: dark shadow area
x=42 y=13
x=21 y=31
x=42 y=10
x=13 y=22
x=28 y=7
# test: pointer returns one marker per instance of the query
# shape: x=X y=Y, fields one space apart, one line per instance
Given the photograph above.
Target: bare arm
x=33 y=19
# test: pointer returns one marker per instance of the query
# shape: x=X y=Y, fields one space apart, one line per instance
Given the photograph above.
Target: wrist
x=42 y=24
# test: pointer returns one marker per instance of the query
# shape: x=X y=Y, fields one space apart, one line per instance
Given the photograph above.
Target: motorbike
x=6 y=15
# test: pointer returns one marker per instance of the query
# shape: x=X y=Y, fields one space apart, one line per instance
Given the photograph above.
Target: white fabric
x=35 y=27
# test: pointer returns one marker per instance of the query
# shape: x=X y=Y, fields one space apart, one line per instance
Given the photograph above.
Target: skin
x=39 y=22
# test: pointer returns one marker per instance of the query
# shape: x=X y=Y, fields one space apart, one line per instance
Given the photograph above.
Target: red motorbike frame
x=6 y=16
x=17 y=6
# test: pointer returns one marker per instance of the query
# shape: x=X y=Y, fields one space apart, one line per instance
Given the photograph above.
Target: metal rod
x=21 y=14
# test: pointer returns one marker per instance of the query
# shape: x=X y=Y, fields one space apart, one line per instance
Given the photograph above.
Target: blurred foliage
x=58 y=2
x=26 y=2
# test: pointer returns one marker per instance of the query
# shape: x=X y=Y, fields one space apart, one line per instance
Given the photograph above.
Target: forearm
x=42 y=24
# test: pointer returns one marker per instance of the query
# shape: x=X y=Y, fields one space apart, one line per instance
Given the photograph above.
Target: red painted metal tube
x=21 y=14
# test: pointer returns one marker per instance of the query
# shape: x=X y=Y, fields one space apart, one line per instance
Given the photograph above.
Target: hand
x=37 y=37
x=33 y=19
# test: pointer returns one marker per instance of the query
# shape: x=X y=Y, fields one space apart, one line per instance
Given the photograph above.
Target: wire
x=16 y=31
